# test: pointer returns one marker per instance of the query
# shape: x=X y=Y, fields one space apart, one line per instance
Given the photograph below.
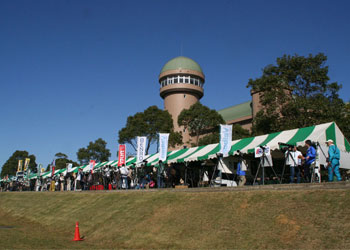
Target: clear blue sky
x=73 y=71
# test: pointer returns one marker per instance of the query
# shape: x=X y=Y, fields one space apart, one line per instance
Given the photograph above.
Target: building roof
x=181 y=62
x=237 y=111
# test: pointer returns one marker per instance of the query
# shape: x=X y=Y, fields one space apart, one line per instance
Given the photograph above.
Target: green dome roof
x=181 y=62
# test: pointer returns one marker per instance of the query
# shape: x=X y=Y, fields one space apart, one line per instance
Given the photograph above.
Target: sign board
x=260 y=150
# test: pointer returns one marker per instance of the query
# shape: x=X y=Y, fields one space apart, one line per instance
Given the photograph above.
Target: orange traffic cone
x=77 y=234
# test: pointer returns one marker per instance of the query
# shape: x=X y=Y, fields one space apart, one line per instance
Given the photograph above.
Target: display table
x=97 y=187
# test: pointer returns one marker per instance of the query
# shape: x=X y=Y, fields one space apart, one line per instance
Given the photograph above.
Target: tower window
x=175 y=80
x=184 y=96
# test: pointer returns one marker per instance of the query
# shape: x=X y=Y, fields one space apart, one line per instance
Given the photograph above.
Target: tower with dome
x=182 y=84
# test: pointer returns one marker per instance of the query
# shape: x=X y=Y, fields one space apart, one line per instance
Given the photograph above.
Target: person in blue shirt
x=309 y=160
x=333 y=161
x=241 y=168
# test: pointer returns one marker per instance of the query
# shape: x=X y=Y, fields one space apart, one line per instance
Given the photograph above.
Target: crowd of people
x=303 y=168
x=105 y=178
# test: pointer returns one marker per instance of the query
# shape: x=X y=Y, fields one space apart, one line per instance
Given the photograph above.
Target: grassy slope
x=251 y=219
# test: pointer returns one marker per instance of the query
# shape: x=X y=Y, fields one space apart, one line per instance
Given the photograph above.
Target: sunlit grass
x=206 y=220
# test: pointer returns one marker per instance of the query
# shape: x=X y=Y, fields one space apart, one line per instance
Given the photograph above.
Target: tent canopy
x=318 y=133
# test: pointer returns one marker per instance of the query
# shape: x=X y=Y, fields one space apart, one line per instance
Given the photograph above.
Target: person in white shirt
x=294 y=161
x=124 y=173
x=78 y=181
x=61 y=182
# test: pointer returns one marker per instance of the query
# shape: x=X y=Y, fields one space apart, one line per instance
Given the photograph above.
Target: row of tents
x=318 y=134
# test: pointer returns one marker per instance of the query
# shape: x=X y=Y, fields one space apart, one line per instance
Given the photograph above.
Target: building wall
x=174 y=104
x=256 y=103
x=178 y=97
x=245 y=122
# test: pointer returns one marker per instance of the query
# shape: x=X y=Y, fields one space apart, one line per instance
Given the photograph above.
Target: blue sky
x=73 y=71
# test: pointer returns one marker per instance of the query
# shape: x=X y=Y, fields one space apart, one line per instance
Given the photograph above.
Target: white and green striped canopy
x=318 y=133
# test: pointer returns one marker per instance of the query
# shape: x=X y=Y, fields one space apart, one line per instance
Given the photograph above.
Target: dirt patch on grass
x=291 y=229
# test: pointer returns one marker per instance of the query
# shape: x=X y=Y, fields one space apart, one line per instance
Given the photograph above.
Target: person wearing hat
x=333 y=161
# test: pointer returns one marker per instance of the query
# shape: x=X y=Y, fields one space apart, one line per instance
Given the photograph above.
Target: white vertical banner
x=141 y=148
x=39 y=169
x=163 y=146
x=69 y=167
x=225 y=139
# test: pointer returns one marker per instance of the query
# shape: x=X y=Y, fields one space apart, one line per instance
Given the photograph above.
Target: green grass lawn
x=315 y=219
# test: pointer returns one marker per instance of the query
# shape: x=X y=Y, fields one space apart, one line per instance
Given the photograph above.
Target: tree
x=10 y=166
x=94 y=151
x=296 y=93
x=200 y=120
x=61 y=156
x=62 y=161
x=149 y=123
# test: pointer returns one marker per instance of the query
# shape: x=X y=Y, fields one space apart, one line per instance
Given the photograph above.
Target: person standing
x=37 y=184
x=309 y=160
x=241 y=169
x=61 y=182
x=52 y=185
x=90 y=181
x=78 y=181
x=68 y=178
x=160 y=176
x=333 y=161
x=124 y=175
x=294 y=162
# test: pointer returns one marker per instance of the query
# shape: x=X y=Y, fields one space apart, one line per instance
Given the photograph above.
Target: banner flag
x=141 y=148
x=122 y=155
x=163 y=146
x=20 y=162
x=26 y=164
x=39 y=169
x=53 y=167
x=225 y=139
x=69 y=167
x=92 y=165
